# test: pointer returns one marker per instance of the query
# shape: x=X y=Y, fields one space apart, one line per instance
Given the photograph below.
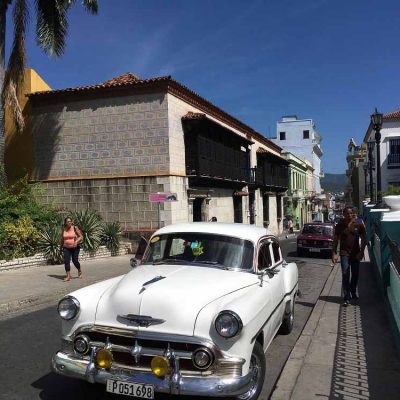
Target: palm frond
x=14 y=76
x=91 y=6
x=52 y=25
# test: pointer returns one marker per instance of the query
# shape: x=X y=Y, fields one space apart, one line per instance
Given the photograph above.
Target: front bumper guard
x=74 y=367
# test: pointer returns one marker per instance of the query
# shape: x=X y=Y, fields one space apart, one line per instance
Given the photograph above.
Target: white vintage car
x=195 y=317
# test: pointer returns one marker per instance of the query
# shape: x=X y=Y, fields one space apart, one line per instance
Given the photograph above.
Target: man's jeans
x=349 y=266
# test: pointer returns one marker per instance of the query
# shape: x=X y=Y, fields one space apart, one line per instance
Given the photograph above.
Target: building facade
x=109 y=146
x=355 y=172
x=296 y=199
x=300 y=137
x=389 y=155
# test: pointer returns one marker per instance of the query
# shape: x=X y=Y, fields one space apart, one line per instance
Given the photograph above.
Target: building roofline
x=162 y=83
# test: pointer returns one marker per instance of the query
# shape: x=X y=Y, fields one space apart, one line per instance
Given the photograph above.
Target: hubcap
x=255 y=371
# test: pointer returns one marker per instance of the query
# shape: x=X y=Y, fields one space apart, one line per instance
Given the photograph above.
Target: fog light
x=81 y=344
x=160 y=366
x=202 y=358
x=104 y=358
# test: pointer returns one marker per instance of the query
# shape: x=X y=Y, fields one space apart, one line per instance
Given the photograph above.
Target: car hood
x=173 y=293
x=310 y=236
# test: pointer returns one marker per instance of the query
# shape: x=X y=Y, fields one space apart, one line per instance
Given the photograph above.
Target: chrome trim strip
x=211 y=386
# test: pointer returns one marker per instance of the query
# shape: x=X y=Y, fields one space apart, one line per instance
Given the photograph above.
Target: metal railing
x=393 y=159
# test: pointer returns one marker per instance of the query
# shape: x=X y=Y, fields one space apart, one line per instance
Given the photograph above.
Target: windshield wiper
x=214 y=263
x=168 y=261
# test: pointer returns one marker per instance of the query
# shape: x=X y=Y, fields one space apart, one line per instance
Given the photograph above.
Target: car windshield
x=318 y=230
x=200 y=249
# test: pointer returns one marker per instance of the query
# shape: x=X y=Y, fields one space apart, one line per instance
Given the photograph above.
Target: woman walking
x=71 y=237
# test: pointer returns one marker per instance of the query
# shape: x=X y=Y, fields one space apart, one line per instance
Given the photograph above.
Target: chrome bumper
x=75 y=367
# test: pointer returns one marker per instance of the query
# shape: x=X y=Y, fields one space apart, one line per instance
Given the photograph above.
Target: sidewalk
x=31 y=286
x=344 y=353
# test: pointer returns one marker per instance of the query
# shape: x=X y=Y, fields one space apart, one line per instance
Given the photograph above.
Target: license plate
x=130 y=389
x=313 y=250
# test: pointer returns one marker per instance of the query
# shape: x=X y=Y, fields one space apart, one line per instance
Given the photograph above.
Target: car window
x=264 y=256
x=276 y=252
x=201 y=249
x=318 y=230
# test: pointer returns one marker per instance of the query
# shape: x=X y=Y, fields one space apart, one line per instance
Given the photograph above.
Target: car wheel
x=288 y=321
x=257 y=371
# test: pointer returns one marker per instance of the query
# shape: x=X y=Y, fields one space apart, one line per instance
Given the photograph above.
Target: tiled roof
x=192 y=115
x=126 y=79
x=393 y=114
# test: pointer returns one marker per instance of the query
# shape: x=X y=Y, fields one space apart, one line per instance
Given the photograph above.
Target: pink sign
x=162 y=197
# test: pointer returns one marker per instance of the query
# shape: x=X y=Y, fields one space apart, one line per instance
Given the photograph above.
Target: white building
x=300 y=137
x=389 y=152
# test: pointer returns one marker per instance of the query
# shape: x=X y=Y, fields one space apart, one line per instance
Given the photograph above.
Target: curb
x=32 y=301
x=291 y=371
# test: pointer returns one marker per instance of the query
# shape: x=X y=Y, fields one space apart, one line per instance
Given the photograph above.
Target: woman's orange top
x=69 y=238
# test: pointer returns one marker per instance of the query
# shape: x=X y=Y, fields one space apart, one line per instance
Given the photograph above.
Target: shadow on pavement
x=60 y=277
x=332 y=299
x=366 y=363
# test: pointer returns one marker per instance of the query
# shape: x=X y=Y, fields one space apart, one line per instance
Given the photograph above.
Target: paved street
x=28 y=340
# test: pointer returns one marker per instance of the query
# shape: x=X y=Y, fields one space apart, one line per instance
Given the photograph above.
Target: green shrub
x=392 y=190
x=111 y=235
x=49 y=242
x=90 y=223
x=18 y=238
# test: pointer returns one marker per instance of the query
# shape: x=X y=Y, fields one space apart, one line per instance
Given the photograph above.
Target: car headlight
x=68 y=307
x=228 y=324
x=202 y=358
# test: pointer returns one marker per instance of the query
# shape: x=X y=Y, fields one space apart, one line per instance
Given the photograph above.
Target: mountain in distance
x=334 y=183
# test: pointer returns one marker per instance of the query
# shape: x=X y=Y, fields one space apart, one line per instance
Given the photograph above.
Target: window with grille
x=394 y=152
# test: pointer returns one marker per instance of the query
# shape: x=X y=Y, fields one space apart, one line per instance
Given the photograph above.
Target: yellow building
x=18 y=157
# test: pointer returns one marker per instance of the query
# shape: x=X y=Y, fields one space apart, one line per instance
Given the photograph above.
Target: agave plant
x=111 y=235
x=90 y=223
x=50 y=243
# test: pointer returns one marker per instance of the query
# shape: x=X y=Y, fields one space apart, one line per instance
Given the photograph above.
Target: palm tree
x=51 y=32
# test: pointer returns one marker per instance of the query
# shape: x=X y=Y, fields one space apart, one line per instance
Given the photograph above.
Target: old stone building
x=109 y=146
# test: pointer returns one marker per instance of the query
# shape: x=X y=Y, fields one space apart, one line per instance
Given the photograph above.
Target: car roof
x=241 y=231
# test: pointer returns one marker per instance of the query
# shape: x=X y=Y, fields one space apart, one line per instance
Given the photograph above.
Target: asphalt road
x=28 y=340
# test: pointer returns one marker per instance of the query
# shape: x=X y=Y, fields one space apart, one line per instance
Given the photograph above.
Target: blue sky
x=329 y=60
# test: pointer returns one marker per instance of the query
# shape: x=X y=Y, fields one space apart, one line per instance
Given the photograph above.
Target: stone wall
x=39 y=259
x=117 y=199
x=114 y=136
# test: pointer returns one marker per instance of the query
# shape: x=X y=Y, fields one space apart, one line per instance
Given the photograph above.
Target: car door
x=269 y=263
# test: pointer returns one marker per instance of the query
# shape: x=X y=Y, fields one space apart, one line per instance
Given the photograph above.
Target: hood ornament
x=141 y=320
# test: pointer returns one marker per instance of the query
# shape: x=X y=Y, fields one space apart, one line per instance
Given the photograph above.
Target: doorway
x=197 y=209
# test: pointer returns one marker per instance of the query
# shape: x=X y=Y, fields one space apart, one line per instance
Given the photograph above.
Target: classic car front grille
x=134 y=352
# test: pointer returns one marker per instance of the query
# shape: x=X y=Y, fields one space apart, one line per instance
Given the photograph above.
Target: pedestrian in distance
x=352 y=238
x=213 y=219
x=291 y=225
x=70 y=238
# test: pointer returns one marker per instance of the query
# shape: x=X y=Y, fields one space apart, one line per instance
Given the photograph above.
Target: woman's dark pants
x=74 y=254
x=350 y=267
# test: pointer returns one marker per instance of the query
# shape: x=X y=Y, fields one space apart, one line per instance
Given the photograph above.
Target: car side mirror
x=134 y=262
x=139 y=252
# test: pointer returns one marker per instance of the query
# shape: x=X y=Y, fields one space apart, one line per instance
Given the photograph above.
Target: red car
x=315 y=238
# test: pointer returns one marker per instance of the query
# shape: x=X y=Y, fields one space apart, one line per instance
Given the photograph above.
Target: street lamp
x=370 y=147
x=365 y=168
x=376 y=122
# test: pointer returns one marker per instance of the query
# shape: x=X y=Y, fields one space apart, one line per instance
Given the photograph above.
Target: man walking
x=349 y=233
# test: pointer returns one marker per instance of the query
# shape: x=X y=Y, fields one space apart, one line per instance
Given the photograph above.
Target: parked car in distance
x=194 y=316
x=315 y=238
